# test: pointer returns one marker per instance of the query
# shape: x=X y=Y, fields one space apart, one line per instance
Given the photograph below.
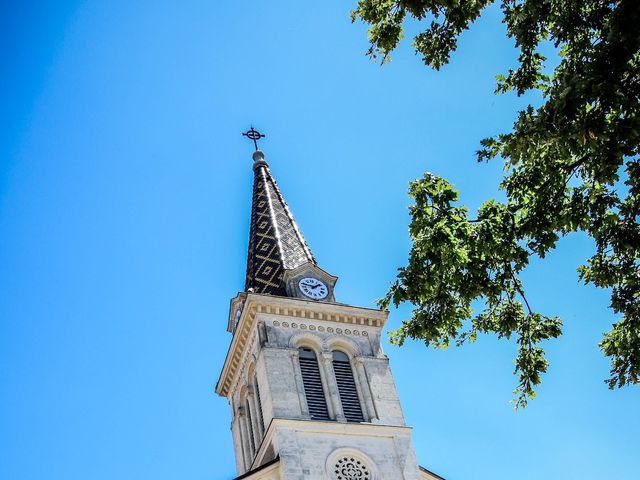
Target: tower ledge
x=324 y=428
x=350 y=320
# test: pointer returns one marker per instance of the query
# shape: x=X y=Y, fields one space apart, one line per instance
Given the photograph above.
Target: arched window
x=347 y=387
x=312 y=382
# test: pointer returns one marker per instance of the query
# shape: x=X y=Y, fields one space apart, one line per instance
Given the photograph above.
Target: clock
x=313 y=288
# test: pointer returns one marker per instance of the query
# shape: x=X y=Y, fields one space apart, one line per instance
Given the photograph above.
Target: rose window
x=350 y=468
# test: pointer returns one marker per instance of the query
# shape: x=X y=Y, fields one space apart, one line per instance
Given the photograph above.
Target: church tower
x=310 y=390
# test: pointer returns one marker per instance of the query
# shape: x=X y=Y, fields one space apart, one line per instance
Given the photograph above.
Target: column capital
x=326 y=356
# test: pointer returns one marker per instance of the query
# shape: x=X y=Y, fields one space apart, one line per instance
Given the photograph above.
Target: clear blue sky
x=124 y=208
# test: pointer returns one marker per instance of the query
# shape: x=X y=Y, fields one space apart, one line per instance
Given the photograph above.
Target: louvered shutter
x=313 y=384
x=347 y=387
x=252 y=441
x=259 y=402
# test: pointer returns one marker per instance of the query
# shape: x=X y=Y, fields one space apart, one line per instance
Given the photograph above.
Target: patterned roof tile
x=275 y=242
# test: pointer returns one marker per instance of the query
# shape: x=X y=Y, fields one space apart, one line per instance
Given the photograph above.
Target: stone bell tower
x=310 y=390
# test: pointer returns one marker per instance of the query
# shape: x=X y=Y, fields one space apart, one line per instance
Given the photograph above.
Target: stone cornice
x=288 y=307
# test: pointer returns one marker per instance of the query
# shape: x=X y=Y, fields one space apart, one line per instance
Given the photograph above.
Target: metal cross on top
x=253 y=135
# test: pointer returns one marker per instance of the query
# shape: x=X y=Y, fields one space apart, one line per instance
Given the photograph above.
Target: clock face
x=313 y=288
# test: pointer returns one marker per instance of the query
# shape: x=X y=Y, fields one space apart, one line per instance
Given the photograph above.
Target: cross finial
x=253 y=135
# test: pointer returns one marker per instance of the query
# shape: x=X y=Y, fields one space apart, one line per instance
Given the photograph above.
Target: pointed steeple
x=275 y=242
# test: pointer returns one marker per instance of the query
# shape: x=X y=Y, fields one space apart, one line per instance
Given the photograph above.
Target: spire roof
x=275 y=242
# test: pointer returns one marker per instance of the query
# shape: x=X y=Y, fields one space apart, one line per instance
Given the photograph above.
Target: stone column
x=363 y=386
x=295 y=360
x=244 y=436
x=331 y=387
x=237 y=440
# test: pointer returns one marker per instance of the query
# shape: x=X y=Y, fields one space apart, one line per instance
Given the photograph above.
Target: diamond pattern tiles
x=275 y=243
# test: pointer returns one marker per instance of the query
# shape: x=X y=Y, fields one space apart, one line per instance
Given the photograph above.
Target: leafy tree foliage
x=570 y=165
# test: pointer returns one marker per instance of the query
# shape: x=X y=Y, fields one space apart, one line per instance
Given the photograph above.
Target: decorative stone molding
x=320 y=328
